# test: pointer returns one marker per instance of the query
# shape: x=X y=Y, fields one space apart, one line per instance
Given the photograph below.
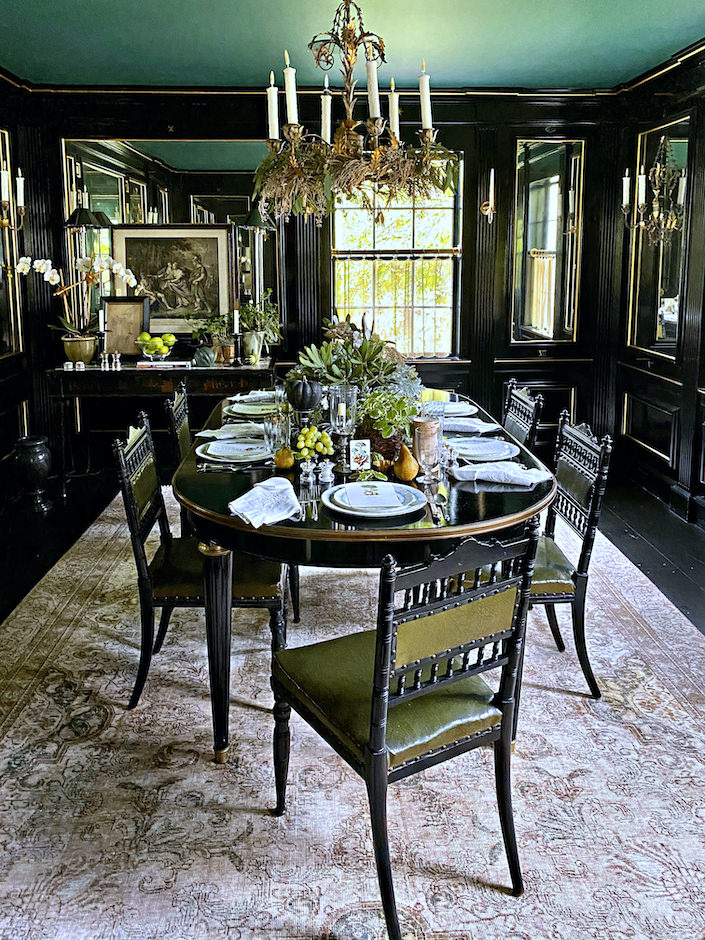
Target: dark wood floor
x=670 y=552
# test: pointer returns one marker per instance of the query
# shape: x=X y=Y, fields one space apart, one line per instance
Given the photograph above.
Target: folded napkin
x=503 y=471
x=372 y=496
x=241 y=449
x=471 y=425
x=232 y=431
x=268 y=502
x=255 y=395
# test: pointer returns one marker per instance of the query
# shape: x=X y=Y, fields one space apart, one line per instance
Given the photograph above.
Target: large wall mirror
x=158 y=183
x=656 y=270
x=10 y=333
x=547 y=240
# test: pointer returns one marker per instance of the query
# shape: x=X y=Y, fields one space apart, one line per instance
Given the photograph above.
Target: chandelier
x=305 y=172
x=664 y=214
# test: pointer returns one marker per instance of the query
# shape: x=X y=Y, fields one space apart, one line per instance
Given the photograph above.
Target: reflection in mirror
x=547 y=239
x=10 y=334
x=162 y=182
x=657 y=263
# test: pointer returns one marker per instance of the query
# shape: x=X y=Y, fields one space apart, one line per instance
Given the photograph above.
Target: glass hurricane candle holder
x=343 y=417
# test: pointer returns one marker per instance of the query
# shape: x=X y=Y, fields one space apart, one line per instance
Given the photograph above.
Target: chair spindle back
x=522 y=414
x=177 y=418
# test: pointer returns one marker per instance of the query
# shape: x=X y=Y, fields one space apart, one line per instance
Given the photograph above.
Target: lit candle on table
x=20 y=190
x=236 y=321
x=641 y=188
x=273 y=108
x=372 y=88
x=326 y=99
x=4 y=184
x=292 y=108
x=425 y=95
x=394 y=110
x=342 y=412
x=626 y=189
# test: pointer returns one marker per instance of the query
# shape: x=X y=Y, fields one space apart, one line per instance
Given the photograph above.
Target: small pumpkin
x=303 y=393
x=204 y=356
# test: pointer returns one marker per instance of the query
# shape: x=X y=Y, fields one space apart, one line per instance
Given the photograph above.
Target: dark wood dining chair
x=522 y=413
x=410 y=694
x=180 y=433
x=582 y=465
x=174 y=578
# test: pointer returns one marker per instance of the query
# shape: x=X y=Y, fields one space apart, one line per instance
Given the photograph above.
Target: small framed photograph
x=360 y=456
x=123 y=319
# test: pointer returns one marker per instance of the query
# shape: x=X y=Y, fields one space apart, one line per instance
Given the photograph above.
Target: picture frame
x=186 y=271
x=122 y=319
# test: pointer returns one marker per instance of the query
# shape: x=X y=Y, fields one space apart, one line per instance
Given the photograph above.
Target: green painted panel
x=554 y=43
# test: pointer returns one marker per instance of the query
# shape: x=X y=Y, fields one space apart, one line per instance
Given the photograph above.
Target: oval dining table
x=324 y=538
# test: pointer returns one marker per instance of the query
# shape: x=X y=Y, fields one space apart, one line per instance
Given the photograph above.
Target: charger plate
x=338 y=498
x=483 y=448
x=249 y=451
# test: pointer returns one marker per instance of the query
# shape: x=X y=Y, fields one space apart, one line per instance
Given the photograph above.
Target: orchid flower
x=83 y=265
x=24 y=265
x=53 y=277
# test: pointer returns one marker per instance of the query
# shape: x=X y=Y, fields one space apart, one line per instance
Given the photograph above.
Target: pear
x=406 y=466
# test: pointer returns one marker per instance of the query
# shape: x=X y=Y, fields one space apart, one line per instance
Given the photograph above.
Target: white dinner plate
x=246 y=451
x=460 y=409
x=338 y=499
x=483 y=448
x=254 y=397
x=251 y=409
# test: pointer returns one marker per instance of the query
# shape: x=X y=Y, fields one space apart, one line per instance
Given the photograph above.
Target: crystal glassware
x=343 y=417
x=276 y=430
x=427 y=441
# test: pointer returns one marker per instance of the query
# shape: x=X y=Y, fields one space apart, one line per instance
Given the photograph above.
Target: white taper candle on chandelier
x=272 y=109
x=20 y=190
x=425 y=95
x=680 y=199
x=626 y=189
x=4 y=184
x=641 y=188
x=292 y=107
x=373 y=106
x=393 y=110
x=326 y=101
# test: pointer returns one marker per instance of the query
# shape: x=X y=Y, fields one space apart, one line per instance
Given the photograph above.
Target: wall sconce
x=488 y=208
x=667 y=182
x=5 y=199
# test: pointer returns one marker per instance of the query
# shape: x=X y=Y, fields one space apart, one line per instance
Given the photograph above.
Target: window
x=400 y=269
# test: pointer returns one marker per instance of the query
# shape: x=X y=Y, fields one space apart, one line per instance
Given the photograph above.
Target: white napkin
x=471 y=425
x=255 y=395
x=372 y=495
x=231 y=431
x=503 y=471
x=268 y=502
x=240 y=449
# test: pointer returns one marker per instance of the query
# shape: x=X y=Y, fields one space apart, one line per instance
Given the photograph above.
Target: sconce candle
x=491 y=198
x=680 y=199
x=373 y=105
x=4 y=184
x=641 y=188
x=20 y=190
x=626 y=189
x=326 y=100
x=292 y=108
x=273 y=109
x=393 y=110
x=425 y=95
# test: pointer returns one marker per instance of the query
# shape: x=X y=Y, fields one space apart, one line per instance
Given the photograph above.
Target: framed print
x=184 y=271
x=123 y=319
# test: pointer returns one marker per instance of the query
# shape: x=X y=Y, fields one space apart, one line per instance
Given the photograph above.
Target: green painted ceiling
x=205 y=154
x=544 y=43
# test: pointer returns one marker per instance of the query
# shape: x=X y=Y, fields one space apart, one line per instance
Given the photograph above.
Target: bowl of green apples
x=155 y=348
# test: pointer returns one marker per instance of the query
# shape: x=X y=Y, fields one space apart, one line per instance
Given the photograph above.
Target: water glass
x=276 y=430
x=427 y=446
x=435 y=409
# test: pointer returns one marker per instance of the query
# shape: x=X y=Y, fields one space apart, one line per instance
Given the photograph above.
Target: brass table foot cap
x=220 y=755
x=513 y=743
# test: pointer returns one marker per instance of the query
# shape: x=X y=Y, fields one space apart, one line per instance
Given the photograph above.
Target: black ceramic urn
x=33 y=464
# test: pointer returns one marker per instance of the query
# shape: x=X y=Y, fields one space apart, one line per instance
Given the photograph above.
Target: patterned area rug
x=117 y=824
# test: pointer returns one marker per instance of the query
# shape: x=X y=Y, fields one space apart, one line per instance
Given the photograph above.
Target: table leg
x=218 y=593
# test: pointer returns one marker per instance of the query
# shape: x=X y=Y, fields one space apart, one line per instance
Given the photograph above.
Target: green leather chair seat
x=178 y=571
x=333 y=680
x=553 y=573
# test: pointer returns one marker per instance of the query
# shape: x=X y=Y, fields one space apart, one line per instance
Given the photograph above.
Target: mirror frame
x=578 y=224
x=631 y=318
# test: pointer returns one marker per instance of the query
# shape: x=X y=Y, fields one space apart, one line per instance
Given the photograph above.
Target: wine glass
x=427 y=440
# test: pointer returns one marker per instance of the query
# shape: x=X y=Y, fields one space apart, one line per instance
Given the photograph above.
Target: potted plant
x=260 y=326
x=384 y=417
x=216 y=331
x=78 y=325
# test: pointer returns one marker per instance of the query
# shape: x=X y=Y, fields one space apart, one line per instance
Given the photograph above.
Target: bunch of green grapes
x=311 y=442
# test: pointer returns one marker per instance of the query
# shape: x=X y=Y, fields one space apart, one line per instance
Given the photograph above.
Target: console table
x=69 y=389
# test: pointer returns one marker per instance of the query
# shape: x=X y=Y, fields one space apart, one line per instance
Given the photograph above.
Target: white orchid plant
x=90 y=272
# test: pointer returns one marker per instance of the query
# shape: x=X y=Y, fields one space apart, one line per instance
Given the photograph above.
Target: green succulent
x=386 y=410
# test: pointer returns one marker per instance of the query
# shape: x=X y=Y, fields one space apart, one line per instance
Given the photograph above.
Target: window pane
x=433 y=327
x=433 y=228
x=353 y=283
x=352 y=229
x=444 y=200
x=397 y=230
x=434 y=282
x=396 y=325
x=393 y=283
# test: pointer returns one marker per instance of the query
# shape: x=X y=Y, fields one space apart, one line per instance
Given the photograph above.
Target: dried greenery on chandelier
x=303 y=174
